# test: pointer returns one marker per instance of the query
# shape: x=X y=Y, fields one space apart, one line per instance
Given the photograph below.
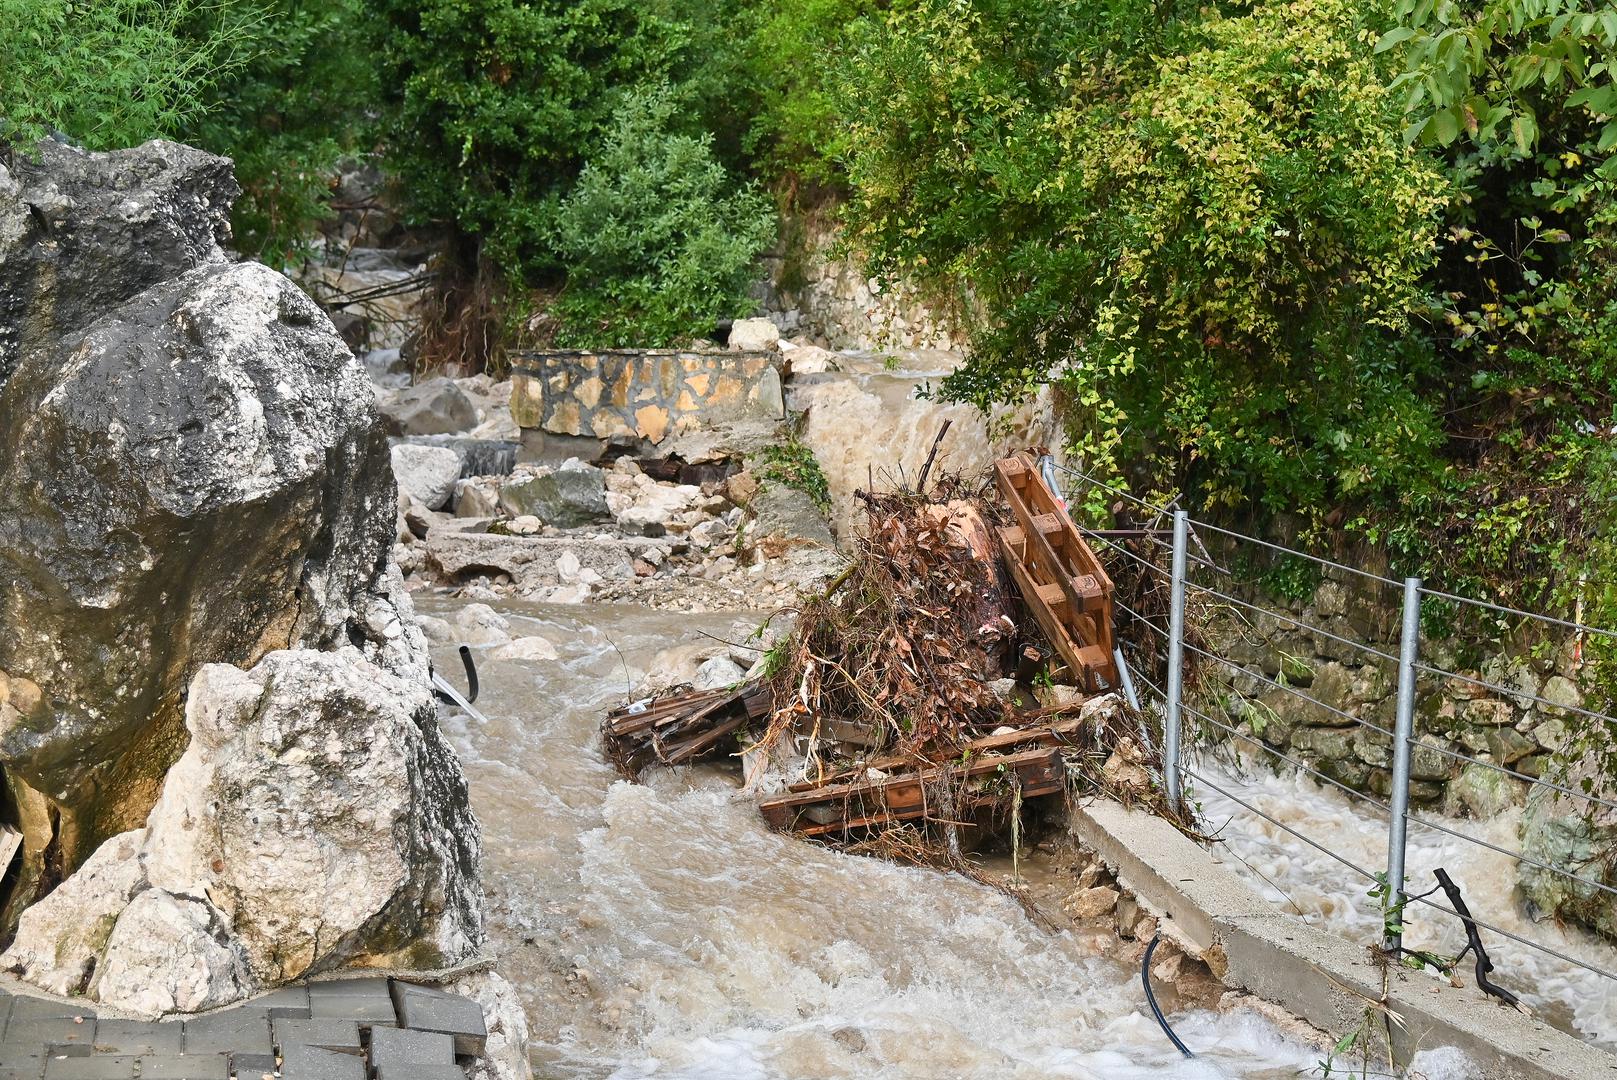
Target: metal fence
x=1170 y=535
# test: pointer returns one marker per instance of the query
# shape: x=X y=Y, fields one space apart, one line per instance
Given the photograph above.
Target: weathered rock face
x=194 y=478
x=1576 y=838
x=81 y=233
x=198 y=476
x=318 y=820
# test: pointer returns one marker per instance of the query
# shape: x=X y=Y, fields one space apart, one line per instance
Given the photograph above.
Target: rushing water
x=1324 y=891
x=659 y=930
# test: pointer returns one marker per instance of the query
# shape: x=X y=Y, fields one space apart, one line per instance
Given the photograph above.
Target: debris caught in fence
x=924 y=685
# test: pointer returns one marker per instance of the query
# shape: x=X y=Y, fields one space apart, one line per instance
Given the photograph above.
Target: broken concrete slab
x=245 y=1030
x=425 y=1008
x=328 y=1033
x=319 y=1063
x=184 y=1067
x=367 y=1001
x=399 y=1046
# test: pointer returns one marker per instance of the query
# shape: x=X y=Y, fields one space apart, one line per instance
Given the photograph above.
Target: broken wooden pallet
x=1058 y=576
x=890 y=799
x=1034 y=735
x=679 y=728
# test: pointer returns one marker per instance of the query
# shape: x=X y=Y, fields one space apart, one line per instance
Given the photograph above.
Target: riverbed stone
x=1485 y=793
x=434 y=407
x=567 y=497
x=426 y=473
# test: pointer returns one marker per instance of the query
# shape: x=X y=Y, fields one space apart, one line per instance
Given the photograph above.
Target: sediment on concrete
x=1315 y=974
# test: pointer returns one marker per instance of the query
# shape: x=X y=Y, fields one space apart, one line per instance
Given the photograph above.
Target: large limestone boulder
x=80 y=233
x=318 y=820
x=196 y=477
x=568 y=496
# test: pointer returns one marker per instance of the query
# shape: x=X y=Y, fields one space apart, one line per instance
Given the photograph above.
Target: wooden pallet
x=888 y=800
x=1059 y=577
x=678 y=729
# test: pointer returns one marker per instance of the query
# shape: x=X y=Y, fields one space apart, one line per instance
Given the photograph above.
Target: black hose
x=471 y=674
x=1156 y=1010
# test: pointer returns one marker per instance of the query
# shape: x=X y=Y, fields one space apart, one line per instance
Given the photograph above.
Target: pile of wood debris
x=959 y=667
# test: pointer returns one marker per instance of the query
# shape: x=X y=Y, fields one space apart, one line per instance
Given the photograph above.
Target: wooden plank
x=1042 y=734
x=903 y=798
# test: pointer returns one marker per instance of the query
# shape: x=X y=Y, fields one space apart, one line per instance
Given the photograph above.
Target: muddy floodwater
x=660 y=930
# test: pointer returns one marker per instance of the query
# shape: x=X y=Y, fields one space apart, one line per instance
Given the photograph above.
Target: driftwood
x=679 y=728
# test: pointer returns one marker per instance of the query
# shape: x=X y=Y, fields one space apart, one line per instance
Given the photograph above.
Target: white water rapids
x=1326 y=892
x=660 y=930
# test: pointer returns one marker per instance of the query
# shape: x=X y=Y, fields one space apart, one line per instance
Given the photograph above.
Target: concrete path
x=349 y=1029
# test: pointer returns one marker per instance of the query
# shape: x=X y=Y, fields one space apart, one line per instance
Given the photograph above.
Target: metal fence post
x=1172 y=723
x=1403 y=737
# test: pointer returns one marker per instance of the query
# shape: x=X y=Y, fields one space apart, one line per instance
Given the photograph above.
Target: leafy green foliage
x=109 y=73
x=1217 y=254
x=288 y=114
x=659 y=242
x=794 y=465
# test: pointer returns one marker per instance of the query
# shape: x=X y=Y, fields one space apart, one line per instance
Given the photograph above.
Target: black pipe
x=471 y=674
x=1145 y=980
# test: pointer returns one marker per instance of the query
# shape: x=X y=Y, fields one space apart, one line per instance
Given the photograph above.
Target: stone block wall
x=813 y=293
x=1452 y=714
x=645 y=393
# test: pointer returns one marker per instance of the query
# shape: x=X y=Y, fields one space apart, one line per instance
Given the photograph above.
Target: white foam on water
x=661 y=930
x=1330 y=894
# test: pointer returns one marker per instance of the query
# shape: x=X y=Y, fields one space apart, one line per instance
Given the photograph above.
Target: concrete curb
x=1323 y=978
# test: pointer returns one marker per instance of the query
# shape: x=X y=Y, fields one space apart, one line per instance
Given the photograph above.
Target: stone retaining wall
x=649 y=393
x=1451 y=714
x=814 y=293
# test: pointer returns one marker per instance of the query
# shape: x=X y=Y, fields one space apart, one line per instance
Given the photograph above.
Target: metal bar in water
x=1176 y=661
x=1403 y=736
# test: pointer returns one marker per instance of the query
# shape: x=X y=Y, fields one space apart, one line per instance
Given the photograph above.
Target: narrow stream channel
x=660 y=930
x=1324 y=891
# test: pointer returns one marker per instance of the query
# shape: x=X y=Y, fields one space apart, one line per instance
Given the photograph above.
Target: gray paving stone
x=22 y=1071
x=252 y=1066
x=425 y=1008
x=139 y=1037
x=398 y=1046
x=291 y=1002
x=421 y=1072
x=17 y=1064
x=245 y=1030
x=369 y=1001
x=43 y=1033
x=318 y=1063
x=32 y=1008
x=92 y=1067
x=184 y=1067
x=326 y=1032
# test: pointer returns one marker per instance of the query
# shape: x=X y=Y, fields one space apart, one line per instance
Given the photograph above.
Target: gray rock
x=568 y=497
x=434 y=407
x=754 y=335
x=789 y=515
x=475 y=498
x=81 y=233
x=196 y=477
x=426 y=473
x=1485 y=793
x=1577 y=839
x=718 y=672
x=478 y=457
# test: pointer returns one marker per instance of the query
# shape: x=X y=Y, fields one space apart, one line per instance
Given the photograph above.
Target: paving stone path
x=350 y=1029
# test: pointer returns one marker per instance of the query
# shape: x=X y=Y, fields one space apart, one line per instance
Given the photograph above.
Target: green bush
x=300 y=102
x=1205 y=230
x=109 y=73
x=660 y=243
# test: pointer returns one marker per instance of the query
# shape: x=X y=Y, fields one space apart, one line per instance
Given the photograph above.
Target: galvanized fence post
x=1172 y=722
x=1403 y=738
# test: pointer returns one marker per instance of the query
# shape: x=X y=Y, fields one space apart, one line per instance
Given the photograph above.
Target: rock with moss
x=1577 y=839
